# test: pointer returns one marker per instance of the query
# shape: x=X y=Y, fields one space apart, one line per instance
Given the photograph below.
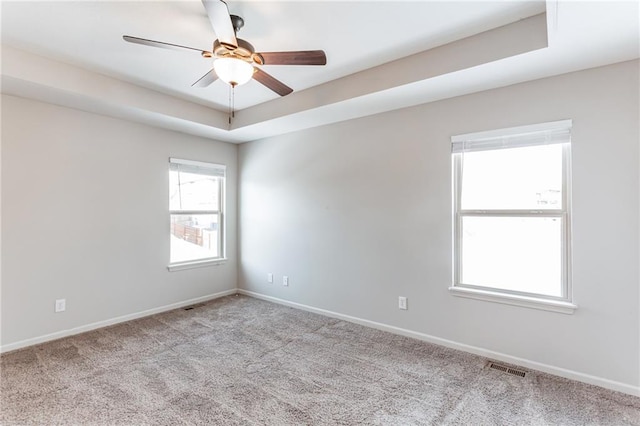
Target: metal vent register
x=190 y=307
x=506 y=369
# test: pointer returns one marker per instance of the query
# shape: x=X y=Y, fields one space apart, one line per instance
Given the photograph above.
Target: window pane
x=515 y=178
x=194 y=237
x=513 y=253
x=189 y=191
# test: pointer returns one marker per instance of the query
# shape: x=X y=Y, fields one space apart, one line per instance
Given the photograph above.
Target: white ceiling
x=357 y=37
x=354 y=35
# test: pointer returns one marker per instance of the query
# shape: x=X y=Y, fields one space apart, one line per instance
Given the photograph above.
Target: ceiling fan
x=235 y=59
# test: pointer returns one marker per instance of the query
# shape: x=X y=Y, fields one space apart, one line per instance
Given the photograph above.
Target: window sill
x=195 y=264
x=512 y=299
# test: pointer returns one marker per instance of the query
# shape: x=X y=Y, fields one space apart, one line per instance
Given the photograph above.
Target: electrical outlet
x=270 y=277
x=285 y=281
x=61 y=305
x=402 y=302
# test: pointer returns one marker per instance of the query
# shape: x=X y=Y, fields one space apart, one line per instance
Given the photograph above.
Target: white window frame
x=220 y=171
x=538 y=134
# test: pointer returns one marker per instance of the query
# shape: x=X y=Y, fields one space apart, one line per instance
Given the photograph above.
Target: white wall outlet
x=270 y=277
x=285 y=281
x=61 y=305
x=402 y=302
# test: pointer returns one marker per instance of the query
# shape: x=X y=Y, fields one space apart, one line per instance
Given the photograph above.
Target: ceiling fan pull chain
x=230 y=110
x=232 y=103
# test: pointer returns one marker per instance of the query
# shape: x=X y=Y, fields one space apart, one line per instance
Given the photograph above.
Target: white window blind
x=557 y=132
x=196 y=167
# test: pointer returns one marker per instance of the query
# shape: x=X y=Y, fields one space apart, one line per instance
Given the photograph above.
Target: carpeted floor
x=239 y=360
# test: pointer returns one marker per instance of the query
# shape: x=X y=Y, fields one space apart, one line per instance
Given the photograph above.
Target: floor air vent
x=506 y=369
x=190 y=307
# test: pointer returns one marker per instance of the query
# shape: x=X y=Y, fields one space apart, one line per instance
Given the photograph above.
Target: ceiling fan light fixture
x=233 y=71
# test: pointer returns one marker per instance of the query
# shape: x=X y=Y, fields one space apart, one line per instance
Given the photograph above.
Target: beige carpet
x=239 y=360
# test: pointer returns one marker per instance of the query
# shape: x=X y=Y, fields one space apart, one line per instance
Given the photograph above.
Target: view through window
x=195 y=204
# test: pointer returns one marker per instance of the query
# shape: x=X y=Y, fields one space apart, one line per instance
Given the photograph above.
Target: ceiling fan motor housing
x=245 y=51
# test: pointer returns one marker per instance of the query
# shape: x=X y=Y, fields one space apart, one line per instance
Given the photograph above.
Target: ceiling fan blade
x=303 y=57
x=221 y=22
x=162 y=44
x=276 y=85
x=206 y=79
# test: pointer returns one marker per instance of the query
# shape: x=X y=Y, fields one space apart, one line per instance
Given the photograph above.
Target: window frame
x=209 y=261
x=562 y=303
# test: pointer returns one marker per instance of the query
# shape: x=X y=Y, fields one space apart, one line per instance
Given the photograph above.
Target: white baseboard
x=557 y=371
x=84 y=328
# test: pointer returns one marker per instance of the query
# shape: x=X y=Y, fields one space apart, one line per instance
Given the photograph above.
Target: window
x=512 y=216
x=196 y=194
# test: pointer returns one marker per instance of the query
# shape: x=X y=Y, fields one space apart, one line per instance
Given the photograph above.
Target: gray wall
x=359 y=213
x=85 y=217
